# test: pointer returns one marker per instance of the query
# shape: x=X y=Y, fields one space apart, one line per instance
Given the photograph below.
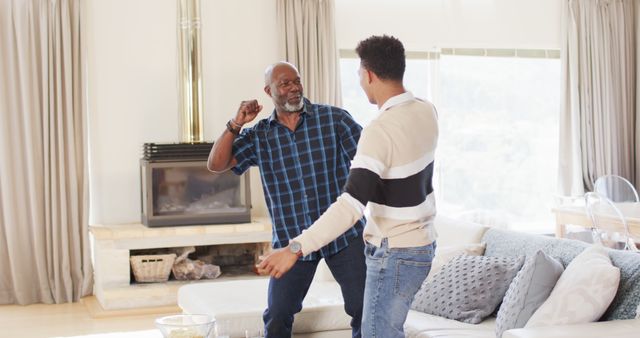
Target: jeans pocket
x=409 y=277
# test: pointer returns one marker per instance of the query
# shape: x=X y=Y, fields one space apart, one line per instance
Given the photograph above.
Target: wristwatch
x=233 y=128
x=295 y=248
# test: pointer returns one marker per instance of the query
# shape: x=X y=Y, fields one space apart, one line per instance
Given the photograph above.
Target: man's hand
x=278 y=262
x=247 y=112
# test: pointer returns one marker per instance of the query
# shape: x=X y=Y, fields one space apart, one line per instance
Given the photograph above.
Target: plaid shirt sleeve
x=243 y=150
x=349 y=131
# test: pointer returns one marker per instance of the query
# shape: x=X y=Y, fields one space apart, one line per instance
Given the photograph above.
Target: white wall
x=131 y=64
x=424 y=24
x=132 y=86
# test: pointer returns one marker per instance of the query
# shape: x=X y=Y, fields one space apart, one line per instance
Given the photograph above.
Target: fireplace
x=177 y=188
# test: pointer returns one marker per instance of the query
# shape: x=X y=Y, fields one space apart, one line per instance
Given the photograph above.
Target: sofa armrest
x=629 y=328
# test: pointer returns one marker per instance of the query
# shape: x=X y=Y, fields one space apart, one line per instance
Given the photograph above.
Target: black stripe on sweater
x=366 y=186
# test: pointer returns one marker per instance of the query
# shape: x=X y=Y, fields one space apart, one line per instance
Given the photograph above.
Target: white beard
x=294 y=108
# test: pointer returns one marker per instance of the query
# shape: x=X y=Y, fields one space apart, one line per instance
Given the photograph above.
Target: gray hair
x=269 y=71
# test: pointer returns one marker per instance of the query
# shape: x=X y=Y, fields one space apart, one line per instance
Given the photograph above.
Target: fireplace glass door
x=185 y=192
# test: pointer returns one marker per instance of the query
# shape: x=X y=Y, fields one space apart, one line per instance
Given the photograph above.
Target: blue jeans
x=287 y=293
x=394 y=275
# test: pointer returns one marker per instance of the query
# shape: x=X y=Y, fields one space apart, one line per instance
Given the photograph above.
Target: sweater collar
x=396 y=100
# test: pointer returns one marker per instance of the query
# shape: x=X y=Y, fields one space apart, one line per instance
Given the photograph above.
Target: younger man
x=390 y=176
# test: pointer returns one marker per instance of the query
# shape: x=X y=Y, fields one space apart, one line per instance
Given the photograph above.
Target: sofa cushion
x=420 y=324
x=468 y=289
x=612 y=329
x=627 y=298
x=583 y=292
x=240 y=304
x=529 y=289
x=453 y=231
x=505 y=243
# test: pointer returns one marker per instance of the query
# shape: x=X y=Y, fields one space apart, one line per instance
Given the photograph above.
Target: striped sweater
x=389 y=180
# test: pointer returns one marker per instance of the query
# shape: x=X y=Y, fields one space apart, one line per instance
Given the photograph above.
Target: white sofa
x=239 y=304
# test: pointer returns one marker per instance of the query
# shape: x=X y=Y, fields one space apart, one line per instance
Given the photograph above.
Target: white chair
x=610 y=228
x=616 y=188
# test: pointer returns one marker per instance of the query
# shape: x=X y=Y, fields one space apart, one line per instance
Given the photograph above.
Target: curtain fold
x=306 y=29
x=44 y=243
x=637 y=136
x=597 y=123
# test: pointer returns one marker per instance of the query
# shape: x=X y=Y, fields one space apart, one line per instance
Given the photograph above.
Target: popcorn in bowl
x=185 y=326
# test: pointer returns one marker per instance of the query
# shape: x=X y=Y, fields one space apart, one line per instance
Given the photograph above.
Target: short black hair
x=383 y=55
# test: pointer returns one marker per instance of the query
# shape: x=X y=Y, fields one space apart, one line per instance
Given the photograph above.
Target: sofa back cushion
x=453 y=232
x=505 y=243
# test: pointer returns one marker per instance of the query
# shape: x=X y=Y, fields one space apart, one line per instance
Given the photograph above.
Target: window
x=498 y=117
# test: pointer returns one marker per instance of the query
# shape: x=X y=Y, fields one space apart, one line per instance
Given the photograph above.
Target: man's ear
x=369 y=76
x=267 y=89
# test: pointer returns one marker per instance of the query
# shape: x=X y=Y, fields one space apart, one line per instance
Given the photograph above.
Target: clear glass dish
x=186 y=326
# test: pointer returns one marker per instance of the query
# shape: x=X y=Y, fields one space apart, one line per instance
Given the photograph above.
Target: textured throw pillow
x=529 y=289
x=583 y=292
x=468 y=289
x=444 y=254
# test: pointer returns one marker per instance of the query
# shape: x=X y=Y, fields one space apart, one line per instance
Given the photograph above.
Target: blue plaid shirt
x=303 y=171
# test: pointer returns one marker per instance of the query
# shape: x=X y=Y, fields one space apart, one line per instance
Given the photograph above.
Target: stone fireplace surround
x=113 y=244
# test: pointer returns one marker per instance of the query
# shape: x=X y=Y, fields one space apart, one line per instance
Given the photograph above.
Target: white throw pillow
x=444 y=255
x=583 y=292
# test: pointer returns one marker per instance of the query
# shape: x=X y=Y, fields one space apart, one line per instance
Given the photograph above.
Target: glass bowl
x=185 y=326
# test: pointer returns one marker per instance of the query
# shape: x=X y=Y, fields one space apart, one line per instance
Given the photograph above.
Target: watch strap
x=233 y=130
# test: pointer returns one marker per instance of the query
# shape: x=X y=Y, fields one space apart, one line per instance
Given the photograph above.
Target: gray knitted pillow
x=529 y=289
x=468 y=289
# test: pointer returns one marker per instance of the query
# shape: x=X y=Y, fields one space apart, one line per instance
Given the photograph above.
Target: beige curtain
x=44 y=245
x=637 y=43
x=306 y=29
x=597 y=123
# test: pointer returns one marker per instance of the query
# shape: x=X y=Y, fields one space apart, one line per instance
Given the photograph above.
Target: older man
x=304 y=152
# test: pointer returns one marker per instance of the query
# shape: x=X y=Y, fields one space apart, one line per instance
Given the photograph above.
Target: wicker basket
x=152 y=268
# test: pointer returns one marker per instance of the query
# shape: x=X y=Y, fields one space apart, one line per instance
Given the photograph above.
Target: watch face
x=295 y=247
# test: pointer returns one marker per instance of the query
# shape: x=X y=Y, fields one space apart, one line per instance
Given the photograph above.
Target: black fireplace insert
x=177 y=188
